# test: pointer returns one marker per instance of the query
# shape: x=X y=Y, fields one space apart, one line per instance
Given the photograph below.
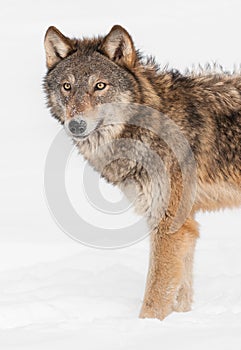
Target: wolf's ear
x=119 y=47
x=57 y=46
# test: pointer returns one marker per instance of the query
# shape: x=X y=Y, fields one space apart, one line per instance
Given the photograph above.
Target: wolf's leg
x=184 y=297
x=169 y=280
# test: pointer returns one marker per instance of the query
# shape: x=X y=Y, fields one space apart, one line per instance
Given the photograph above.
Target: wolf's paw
x=183 y=301
x=152 y=311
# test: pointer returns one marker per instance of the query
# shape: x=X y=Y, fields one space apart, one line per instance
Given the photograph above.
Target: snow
x=54 y=292
x=92 y=298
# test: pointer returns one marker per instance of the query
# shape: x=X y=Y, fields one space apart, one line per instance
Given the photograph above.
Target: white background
x=54 y=292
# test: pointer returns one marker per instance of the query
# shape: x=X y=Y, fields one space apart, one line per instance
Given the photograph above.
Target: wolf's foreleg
x=169 y=280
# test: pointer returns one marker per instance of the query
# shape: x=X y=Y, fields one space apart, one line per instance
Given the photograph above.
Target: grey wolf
x=84 y=77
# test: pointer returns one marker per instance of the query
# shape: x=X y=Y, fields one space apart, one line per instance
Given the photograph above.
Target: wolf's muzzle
x=77 y=127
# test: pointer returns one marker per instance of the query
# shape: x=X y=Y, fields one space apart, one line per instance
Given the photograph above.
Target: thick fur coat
x=171 y=141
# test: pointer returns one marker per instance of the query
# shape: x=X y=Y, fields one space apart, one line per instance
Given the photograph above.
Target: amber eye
x=67 y=86
x=100 y=86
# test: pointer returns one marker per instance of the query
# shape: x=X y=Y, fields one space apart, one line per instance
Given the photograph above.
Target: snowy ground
x=69 y=295
x=54 y=292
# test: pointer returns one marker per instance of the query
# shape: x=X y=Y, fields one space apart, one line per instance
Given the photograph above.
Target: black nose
x=77 y=127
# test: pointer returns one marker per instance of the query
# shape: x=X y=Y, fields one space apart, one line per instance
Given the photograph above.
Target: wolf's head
x=86 y=74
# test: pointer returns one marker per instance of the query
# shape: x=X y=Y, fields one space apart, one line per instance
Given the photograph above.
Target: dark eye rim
x=67 y=86
x=102 y=88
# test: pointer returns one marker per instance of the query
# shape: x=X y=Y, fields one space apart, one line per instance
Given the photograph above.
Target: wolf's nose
x=77 y=127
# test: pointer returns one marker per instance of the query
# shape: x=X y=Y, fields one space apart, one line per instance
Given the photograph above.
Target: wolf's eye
x=100 y=86
x=67 y=86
